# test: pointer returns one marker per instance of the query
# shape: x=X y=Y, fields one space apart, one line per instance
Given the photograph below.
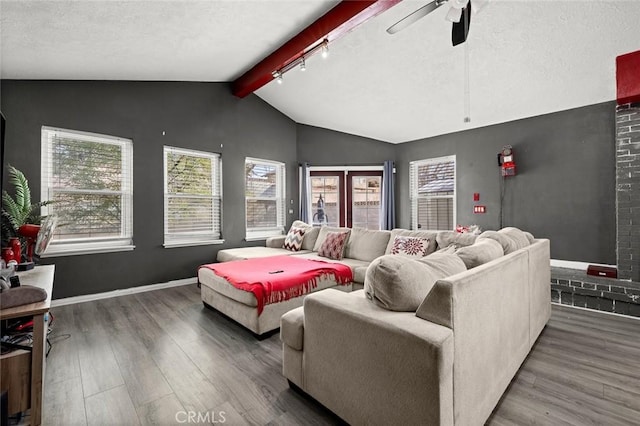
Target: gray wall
x=324 y=147
x=199 y=116
x=565 y=187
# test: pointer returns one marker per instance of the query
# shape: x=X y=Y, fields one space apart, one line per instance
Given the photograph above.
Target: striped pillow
x=293 y=240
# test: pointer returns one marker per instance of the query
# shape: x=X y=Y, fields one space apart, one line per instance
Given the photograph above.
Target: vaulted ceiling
x=524 y=57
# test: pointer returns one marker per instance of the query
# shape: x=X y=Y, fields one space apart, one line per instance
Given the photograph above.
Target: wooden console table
x=22 y=371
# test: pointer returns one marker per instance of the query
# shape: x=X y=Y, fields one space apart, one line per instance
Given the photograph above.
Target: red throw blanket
x=277 y=278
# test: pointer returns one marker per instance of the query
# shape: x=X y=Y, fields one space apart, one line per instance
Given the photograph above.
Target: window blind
x=192 y=196
x=89 y=179
x=265 y=198
x=432 y=186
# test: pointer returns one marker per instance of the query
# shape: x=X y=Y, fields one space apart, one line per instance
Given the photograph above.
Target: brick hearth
x=576 y=288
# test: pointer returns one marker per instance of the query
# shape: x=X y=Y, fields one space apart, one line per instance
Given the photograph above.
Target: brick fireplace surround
x=622 y=296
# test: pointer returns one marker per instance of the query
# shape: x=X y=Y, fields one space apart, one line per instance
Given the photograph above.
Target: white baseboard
x=133 y=290
x=596 y=311
x=575 y=265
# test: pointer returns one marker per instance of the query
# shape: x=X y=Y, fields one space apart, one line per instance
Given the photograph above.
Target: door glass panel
x=365 y=201
x=325 y=200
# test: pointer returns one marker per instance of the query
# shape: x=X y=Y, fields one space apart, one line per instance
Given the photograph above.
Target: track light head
x=325 y=49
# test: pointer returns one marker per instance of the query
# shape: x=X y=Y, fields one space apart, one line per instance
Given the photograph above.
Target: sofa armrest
x=275 y=242
x=352 y=345
x=292 y=328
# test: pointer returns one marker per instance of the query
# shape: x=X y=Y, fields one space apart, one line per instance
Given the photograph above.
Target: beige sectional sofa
x=447 y=362
x=362 y=247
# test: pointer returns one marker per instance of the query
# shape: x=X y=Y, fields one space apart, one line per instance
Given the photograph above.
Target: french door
x=346 y=198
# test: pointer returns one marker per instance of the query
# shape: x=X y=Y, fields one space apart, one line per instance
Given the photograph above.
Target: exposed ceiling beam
x=340 y=20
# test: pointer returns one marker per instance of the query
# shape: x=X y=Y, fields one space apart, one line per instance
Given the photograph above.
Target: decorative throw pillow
x=428 y=235
x=293 y=240
x=333 y=245
x=414 y=247
x=310 y=234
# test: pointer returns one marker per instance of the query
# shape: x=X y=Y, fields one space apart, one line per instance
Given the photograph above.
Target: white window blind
x=432 y=186
x=265 y=198
x=192 y=197
x=89 y=179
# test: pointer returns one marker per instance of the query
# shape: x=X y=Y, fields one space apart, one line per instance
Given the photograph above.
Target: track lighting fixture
x=325 y=49
x=300 y=60
x=278 y=76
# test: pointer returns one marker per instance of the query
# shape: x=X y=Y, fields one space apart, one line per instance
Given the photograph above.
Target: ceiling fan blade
x=461 y=29
x=415 y=16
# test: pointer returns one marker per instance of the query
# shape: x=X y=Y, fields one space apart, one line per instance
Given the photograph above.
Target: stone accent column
x=628 y=190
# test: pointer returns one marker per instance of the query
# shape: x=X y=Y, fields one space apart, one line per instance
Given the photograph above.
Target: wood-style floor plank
x=151 y=356
x=111 y=407
x=67 y=407
x=164 y=411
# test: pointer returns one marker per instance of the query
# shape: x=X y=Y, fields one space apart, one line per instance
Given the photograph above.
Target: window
x=265 y=198
x=359 y=205
x=89 y=179
x=192 y=197
x=433 y=193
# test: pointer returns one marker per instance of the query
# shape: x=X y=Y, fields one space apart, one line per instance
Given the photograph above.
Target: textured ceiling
x=526 y=57
x=146 y=40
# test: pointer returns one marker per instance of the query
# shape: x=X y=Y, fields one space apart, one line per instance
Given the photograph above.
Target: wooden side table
x=22 y=372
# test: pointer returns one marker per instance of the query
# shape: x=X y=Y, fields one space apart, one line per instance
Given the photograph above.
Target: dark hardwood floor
x=152 y=358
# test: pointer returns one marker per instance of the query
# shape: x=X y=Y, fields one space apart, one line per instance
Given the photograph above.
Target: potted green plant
x=18 y=210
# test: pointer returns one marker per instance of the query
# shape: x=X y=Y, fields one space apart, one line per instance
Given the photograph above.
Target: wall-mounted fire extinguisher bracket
x=506 y=161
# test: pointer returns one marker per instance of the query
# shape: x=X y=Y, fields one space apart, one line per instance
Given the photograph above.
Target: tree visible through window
x=193 y=201
x=433 y=187
x=88 y=176
x=265 y=198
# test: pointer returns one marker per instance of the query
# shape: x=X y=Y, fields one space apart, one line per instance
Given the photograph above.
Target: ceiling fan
x=459 y=14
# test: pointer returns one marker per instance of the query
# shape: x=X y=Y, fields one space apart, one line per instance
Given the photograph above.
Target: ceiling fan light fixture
x=454 y=14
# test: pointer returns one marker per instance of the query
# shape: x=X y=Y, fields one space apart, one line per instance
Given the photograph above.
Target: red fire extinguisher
x=506 y=161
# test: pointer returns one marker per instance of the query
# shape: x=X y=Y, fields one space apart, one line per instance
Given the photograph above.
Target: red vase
x=17 y=249
x=7 y=254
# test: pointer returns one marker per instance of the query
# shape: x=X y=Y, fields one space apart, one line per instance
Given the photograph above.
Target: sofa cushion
x=414 y=247
x=530 y=237
x=310 y=234
x=293 y=240
x=333 y=245
x=517 y=235
x=447 y=238
x=322 y=234
x=430 y=235
x=483 y=251
x=508 y=244
x=399 y=283
x=447 y=250
x=359 y=273
x=365 y=244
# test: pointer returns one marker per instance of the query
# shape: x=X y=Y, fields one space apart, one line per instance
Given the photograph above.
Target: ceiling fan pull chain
x=467 y=85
